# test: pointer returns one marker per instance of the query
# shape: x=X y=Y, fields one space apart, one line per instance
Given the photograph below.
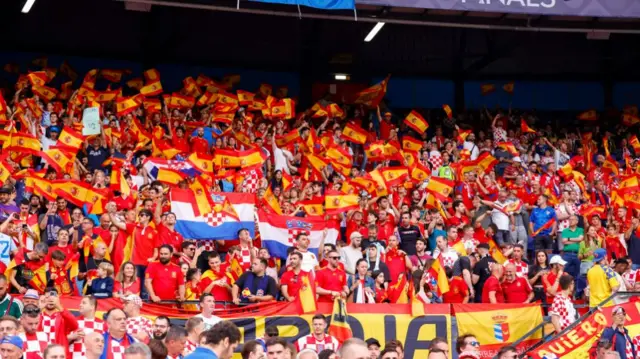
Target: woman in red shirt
x=127 y=281
x=380 y=285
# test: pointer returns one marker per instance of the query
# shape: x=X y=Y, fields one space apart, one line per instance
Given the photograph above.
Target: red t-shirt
x=454 y=221
x=458 y=290
x=386 y=230
x=293 y=282
x=333 y=280
x=614 y=247
x=219 y=293
x=385 y=129
x=165 y=279
x=352 y=226
x=492 y=284
x=199 y=145
x=124 y=203
x=516 y=291
x=396 y=264
x=172 y=238
x=145 y=241
x=133 y=288
x=181 y=143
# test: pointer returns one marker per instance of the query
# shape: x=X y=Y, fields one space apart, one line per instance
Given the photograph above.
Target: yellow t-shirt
x=601 y=279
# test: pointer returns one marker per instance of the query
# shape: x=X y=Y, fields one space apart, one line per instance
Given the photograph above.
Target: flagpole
x=299 y=11
x=355 y=12
x=238 y=6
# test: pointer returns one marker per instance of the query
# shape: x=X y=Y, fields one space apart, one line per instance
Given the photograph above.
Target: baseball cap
x=372 y=341
x=12 y=339
x=31 y=294
x=355 y=235
x=557 y=260
x=133 y=298
x=599 y=254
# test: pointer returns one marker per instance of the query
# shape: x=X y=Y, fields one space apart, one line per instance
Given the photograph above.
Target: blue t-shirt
x=432 y=238
x=540 y=216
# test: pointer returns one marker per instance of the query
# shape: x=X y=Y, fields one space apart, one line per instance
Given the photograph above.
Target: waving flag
x=279 y=232
x=220 y=216
x=524 y=128
x=372 y=96
x=416 y=122
x=153 y=166
x=590 y=115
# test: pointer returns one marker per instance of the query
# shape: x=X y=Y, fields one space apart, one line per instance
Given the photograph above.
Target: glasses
x=334 y=257
x=32 y=311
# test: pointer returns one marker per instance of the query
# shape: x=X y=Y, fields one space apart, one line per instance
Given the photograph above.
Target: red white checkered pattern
x=48 y=325
x=563 y=307
x=176 y=165
x=214 y=219
x=560 y=208
x=436 y=162
x=632 y=276
x=138 y=324
x=293 y=233
x=522 y=268
x=499 y=135
x=35 y=342
x=207 y=245
x=636 y=344
x=189 y=347
x=250 y=182
x=628 y=348
x=310 y=342
x=88 y=326
x=117 y=349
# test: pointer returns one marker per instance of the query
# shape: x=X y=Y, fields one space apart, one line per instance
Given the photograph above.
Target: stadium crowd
x=497 y=212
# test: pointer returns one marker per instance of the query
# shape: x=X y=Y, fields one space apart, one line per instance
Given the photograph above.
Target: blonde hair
x=107 y=267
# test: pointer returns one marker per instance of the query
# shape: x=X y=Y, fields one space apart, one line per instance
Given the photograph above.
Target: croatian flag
x=231 y=212
x=152 y=165
x=279 y=232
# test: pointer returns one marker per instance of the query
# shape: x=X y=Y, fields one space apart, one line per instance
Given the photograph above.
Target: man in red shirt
x=386 y=225
x=145 y=245
x=331 y=282
x=164 y=280
x=516 y=289
x=168 y=235
x=459 y=218
x=216 y=280
x=458 y=290
x=198 y=143
x=291 y=281
x=492 y=291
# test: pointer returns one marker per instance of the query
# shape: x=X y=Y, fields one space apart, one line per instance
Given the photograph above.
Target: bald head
x=94 y=342
x=510 y=271
x=354 y=348
x=497 y=270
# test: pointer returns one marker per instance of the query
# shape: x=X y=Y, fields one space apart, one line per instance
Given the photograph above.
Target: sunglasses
x=32 y=311
x=335 y=257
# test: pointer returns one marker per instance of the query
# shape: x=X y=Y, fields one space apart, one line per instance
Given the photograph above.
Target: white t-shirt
x=209 y=322
x=6 y=247
x=499 y=218
x=309 y=261
x=472 y=148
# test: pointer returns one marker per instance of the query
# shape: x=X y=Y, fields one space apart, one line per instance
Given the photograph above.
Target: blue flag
x=318 y=4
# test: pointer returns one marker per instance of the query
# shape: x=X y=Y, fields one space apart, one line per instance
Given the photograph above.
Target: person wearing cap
x=351 y=254
x=51 y=139
x=551 y=280
x=385 y=125
x=11 y=347
x=562 y=311
x=618 y=335
x=374 y=348
x=138 y=326
x=601 y=279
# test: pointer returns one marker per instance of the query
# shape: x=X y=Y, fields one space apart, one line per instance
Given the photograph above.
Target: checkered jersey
x=88 y=326
x=48 y=325
x=35 y=342
x=310 y=342
x=632 y=276
x=138 y=324
x=250 y=182
x=207 y=244
x=636 y=344
x=563 y=307
x=436 y=161
x=628 y=348
x=189 y=347
x=117 y=349
x=522 y=268
x=560 y=208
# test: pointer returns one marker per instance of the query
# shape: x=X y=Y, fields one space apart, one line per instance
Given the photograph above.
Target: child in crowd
x=102 y=286
x=192 y=291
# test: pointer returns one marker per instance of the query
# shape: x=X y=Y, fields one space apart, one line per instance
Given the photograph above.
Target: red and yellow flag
x=338 y=202
x=441 y=188
x=590 y=115
x=152 y=89
x=411 y=144
x=245 y=97
x=633 y=141
x=45 y=93
x=339 y=327
x=136 y=83
x=416 y=122
x=448 y=111
x=497 y=325
x=509 y=87
x=271 y=201
x=38 y=78
x=394 y=176
x=59 y=159
x=372 y=96
x=290 y=137
x=232 y=158
x=629 y=119
x=23 y=143
x=125 y=105
x=265 y=90
x=486 y=89
x=524 y=128
x=306 y=299
x=70 y=138
x=354 y=133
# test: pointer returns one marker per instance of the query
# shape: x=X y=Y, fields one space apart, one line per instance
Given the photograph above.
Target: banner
x=600 y=8
x=497 y=325
x=577 y=342
x=381 y=321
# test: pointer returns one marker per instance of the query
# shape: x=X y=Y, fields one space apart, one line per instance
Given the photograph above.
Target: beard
x=159 y=336
x=164 y=260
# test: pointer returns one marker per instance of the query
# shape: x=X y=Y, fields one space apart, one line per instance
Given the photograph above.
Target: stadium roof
x=452 y=44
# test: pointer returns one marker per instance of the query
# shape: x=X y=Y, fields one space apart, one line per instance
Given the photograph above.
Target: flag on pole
x=339 y=327
x=524 y=128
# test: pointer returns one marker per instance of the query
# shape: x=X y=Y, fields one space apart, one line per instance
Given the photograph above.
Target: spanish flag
x=45 y=93
x=524 y=128
x=509 y=147
x=152 y=105
x=73 y=191
x=416 y=122
x=287 y=181
x=508 y=88
x=306 y=300
x=590 y=115
x=372 y=96
x=411 y=144
x=354 y=133
x=39 y=280
x=339 y=327
x=89 y=80
x=245 y=97
x=207 y=99
x=118 y=183
x=633 y=141
x=38 y=78
x=566 y=171
x=410 y=158
x=337 y=202
x=441 y=188
x=177 y=100
x=630 y=119
x=151 y=75
x=170 y=176
x=629 y=184
x=440 y=275
x=381 y=185
x=152 y=89
x=611 y=164
x=225 y=117
x=365 y=183
x=231 y=79
x=420 y=172
x=265 y=90
x=59 y=159
x=201 y=162
x=232 y=158
x=271 y=201
x=136 y=83
x=66 y=69
x=394 y=176
x=112 y=75
x=97 y=199
x=462 y=135
x=3 y=105
x=107 y=96
x=447 y=110
x=51 y=73
x=592 y=210
x=339 y=155
x=313 y=207
x=23 y=143
x=66 y=90
x=163 y=148
x=227 y=98
x=486 y=89
x=335 y=111
x=290 y=137
x=125 y=105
